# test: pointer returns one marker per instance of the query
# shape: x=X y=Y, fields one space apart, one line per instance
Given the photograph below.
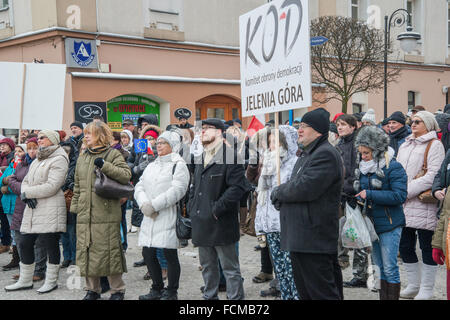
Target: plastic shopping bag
x=355 y=234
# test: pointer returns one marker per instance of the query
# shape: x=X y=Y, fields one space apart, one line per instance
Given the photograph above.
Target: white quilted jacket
x=420 y=215
x=163 y=190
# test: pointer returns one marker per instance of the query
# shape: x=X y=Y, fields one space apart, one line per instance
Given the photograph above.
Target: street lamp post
x=408 y=41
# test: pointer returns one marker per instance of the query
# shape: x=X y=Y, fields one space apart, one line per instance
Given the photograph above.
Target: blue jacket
x=9 y=199
x=386 y=204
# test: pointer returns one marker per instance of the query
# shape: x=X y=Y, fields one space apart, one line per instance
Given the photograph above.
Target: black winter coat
x=398 y=137
x=310 y=201
x=216 y=190
x=442 y=179
x=346 y=148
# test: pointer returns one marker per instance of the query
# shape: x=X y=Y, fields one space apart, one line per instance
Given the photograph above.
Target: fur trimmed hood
x=150 y=127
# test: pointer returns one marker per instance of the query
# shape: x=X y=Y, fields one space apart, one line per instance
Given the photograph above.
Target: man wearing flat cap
x=309 y=206
x=218 y=186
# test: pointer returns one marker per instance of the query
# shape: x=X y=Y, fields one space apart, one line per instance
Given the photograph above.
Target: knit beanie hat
x=77 y=124
x=398 y=116
x=151 y=133
x=23 y=147
x=172 y=138
x=337 y=116
x=369 y=117
x=428 y=119
x=9 y=142
x=318 y=119
x=32 y=141
x=53 y=136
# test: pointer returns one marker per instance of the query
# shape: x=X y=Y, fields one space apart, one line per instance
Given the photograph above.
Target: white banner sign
x=43 y=95
x=275 y=58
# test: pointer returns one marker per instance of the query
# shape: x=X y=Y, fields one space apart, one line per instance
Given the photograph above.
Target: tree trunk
x=344 y=105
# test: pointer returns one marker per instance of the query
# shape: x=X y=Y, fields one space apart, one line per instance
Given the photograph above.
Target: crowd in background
x=395 y=170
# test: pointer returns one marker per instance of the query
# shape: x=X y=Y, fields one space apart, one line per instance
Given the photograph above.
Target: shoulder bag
x=426 y=196
x=108 y=188
x=183 y=226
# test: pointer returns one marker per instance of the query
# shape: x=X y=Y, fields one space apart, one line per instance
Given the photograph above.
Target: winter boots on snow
x=51 y=278
x=25 y=280
x=420 y=284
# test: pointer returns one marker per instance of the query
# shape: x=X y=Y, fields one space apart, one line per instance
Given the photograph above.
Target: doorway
x=218 y=106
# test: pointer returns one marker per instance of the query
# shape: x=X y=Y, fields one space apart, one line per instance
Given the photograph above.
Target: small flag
x=283 y=16
x=255 y=126
x=140 y=145
x=150 y=151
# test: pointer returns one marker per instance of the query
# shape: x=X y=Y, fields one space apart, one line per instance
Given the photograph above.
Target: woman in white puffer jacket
x=420 y=217
x=163 y=183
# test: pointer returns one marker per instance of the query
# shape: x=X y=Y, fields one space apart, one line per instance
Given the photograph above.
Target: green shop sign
x=129 y=107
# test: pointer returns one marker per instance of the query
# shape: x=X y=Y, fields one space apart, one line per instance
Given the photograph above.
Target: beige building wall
x=117 y=16
x=215 y=21
x=23 y=19
x=44 y=14
x=78 y=14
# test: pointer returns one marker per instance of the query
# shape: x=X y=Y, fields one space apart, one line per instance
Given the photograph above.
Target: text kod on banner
x=275 y=58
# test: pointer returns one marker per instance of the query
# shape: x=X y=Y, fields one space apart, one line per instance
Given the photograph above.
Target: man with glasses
x=218 y=186
x=309 y=205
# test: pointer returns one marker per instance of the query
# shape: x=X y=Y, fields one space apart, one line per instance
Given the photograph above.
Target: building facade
x=138 y=56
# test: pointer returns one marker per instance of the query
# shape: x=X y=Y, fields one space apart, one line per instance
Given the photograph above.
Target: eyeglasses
x=416 y=122
x=204 y=128
x=42 y=138
x=303 y=126
x=161 y=143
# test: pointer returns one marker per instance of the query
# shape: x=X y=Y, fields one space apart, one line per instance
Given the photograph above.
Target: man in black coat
x=218 y=185
x=398 y=130
x=309 y=205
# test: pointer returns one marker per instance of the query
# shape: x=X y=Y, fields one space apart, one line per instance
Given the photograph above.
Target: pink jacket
x=411 y=154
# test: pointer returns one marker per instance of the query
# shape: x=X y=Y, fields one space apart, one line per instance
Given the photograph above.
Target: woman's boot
x=427 y=282
x=393 y=291
x=383 y=290
x=413 y=276
x=51 y=279
x=14 y=264
x=25 y=279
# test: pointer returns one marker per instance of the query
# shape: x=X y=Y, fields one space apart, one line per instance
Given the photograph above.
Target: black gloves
x=274 y=198
x=31 y=203
x=99 y=162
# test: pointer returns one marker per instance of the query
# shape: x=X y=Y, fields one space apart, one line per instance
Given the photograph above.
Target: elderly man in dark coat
x=218 y=186
x=308 y=205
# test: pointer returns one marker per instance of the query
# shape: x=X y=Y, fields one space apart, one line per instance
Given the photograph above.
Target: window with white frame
x=355 y=9
x=4 y=4
x=411 y=100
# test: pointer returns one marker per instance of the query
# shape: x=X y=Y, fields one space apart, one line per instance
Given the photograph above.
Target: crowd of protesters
x=395 y=171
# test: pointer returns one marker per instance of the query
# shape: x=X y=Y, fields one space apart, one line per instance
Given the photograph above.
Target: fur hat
x=373 y=138
x=369 y=117
x=428 y=119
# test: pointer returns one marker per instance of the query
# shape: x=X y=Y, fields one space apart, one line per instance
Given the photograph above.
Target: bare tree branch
x=351 y=61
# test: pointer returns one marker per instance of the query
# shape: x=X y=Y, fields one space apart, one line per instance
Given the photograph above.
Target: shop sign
x=81 y=53
x=275 y=57
x=86 y=111
x=183 y=113
x=129 y=107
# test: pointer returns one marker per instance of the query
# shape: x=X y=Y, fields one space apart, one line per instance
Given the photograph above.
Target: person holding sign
x=309 y=206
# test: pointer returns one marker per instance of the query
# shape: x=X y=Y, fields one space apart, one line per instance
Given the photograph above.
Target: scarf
x=4 y=160
x=97 y=150
x=371 y=166
x=45 y=152
x=268 y=173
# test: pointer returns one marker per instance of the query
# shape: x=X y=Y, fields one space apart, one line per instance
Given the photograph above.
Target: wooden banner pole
x=277 y=146
x=22 y=102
